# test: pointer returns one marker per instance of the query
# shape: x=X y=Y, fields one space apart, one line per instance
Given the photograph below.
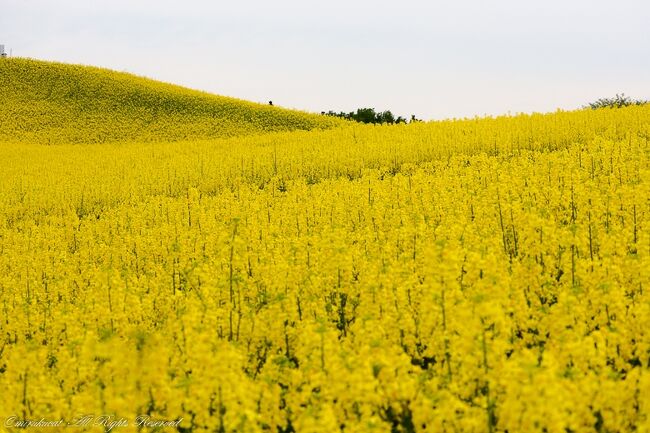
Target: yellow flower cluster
x=55 y=103
x=484 y=275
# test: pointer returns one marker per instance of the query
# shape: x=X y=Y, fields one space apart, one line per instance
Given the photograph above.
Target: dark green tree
x=368 y=115
x=616 y=102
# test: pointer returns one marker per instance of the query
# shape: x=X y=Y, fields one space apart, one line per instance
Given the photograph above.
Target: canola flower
x=483 y=275
x=56 y=103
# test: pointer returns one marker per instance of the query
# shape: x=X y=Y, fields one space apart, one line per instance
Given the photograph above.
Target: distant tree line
x=369 y=115
x=617 y=102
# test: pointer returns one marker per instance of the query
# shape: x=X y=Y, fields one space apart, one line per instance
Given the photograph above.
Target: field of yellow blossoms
x=58 y=103
x=488 y=275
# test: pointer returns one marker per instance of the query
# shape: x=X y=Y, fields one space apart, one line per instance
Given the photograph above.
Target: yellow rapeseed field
x=56 y=103
x=486 y=275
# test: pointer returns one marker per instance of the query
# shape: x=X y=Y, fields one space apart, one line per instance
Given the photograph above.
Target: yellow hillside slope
x=53 y=103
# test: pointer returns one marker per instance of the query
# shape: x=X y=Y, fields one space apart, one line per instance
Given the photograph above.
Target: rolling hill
x=55 y=103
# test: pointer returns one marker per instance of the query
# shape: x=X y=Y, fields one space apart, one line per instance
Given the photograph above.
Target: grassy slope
x=55 y=103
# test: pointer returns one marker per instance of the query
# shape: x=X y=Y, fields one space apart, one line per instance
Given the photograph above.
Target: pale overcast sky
x=435 y=59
